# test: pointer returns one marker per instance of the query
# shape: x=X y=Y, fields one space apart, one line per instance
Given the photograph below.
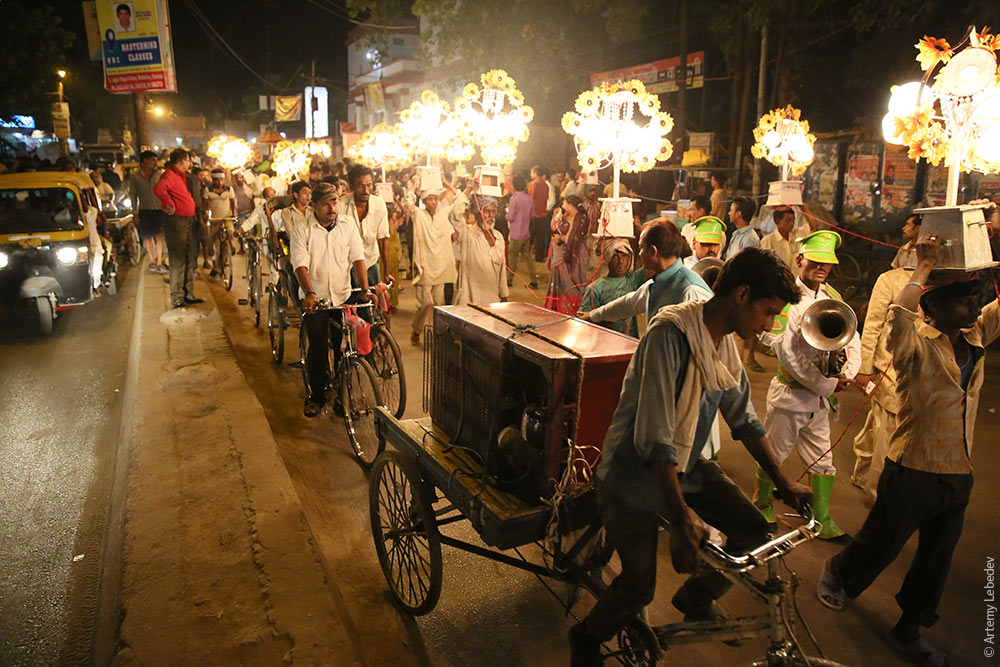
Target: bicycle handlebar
x=720 y=559
x=326 y=304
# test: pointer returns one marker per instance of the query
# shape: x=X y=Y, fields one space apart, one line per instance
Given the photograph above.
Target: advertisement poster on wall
x=862 y=170
x=136 y=46
x=937 y=185
x=821 y=177
x=899 y=175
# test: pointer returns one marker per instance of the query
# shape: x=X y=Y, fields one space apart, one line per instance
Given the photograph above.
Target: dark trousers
x=634 y=535
x=540 y=235
x=909 y=500
x=181 y=236
x=323 y=339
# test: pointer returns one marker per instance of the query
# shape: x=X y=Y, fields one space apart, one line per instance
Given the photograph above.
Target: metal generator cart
x=519 y=399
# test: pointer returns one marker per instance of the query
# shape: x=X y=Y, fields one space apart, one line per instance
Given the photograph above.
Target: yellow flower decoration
x=527 y=114
x=770 y=122
x=650 y=104
x=665 y=121
x=665 y=151
x=587 y=101
x=471 y=91
x=636 y=87
x=429 y=97
x=931 y=51
x=570 y=122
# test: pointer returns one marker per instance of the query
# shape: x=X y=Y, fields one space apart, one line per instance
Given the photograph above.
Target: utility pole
x=141 y=127
x=312 y=98
x=63 y=141
x=761 y=90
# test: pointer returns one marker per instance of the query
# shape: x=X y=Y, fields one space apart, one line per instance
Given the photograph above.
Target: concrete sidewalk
x=220 y=567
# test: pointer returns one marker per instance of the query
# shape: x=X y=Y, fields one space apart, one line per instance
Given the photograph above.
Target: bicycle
x=253 y=275
x=219 y=235
x=359 y=394
x=387 y=362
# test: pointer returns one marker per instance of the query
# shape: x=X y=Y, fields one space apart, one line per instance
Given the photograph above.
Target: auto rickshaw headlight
x=67 y=255
x=4 y=260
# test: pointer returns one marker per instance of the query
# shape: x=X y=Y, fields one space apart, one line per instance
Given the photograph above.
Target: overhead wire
x=346 y=16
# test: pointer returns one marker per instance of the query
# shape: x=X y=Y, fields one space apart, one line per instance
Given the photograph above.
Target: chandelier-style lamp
x=953 y=119
x=619 y=125
x=231 y=152
x=426 y=128
x=380 y=148
x=495 y=118
x=783 y=139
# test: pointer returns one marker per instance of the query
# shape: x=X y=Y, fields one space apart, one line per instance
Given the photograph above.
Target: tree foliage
x=34 y=46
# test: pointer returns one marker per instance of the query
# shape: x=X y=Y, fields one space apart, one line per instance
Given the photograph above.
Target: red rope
x=846 y=231
x=844 y=432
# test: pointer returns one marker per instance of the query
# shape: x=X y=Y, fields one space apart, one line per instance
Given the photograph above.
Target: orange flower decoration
x=932 y=51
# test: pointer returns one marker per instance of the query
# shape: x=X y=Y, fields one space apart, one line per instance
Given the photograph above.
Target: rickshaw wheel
x=638 y=645
x=387 y=362
x=227 y=273
x=276 y=325
x=406 y=536
x=134 y=244
x=45 y=319
x=360 y=397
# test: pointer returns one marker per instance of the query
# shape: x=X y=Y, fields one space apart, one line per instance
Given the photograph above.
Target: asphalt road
x=60 y=403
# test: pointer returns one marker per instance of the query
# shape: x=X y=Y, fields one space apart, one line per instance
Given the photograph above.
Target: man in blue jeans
x=686 y=369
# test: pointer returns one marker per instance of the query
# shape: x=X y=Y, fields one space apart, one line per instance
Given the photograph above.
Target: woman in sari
x=568 y=258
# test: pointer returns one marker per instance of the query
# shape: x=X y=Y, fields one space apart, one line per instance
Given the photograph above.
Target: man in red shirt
x=179 y=206
x=538 y=190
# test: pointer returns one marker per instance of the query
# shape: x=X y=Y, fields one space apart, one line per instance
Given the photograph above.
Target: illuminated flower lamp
x=955 y=120
x=426 y=128
x=784 y=140
x=291 y=160
x=380 y=148
x=619 y=125
x=495 y=118
x=231 y=152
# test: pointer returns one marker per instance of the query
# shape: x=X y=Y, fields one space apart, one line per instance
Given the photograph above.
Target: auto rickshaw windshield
x=28 y=210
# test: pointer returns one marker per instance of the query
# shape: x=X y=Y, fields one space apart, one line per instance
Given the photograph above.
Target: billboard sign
x=317 y=113
x=135 y=46
x=660 y=76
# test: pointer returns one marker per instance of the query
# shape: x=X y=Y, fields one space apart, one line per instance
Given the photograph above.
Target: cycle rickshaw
x=517 y=395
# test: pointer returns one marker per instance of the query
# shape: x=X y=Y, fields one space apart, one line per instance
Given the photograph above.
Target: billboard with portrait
x=135 y=46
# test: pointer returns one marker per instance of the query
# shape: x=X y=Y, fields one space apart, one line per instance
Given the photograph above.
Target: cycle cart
x=219 y=233
x=254 y=273
x=440 y=473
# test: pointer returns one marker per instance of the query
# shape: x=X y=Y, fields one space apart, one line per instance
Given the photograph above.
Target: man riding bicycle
x=323 y=252
x=220 y=203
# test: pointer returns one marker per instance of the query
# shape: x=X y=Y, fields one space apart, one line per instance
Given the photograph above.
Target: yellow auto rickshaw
x=54 y=251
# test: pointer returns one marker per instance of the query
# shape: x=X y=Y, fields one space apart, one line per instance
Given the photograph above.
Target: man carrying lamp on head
x=799 y=400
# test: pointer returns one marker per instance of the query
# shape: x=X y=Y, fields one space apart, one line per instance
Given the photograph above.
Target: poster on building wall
x=821 y=176
x=899 y=175
x=135 y=45
x=862 y=170
x=937 y=185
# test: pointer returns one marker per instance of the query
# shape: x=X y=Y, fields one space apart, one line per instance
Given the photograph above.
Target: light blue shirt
x=745 y=237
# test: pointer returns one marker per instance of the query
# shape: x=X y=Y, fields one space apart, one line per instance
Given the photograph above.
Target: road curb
x=109 y=613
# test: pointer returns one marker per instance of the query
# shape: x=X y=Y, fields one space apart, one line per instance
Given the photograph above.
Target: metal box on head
x=965 y=242
x=517 y=384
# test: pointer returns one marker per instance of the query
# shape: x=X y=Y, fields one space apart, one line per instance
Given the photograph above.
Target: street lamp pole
x=63 y=141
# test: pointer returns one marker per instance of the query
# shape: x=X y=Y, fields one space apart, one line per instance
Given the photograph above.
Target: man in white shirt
x=323 y=252
x=781 y=240
x=433 y=260
x=906 y=256
x=371 y=217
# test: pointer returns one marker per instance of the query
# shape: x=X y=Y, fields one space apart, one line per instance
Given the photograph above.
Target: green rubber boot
x=763 y=495
x=822 y=486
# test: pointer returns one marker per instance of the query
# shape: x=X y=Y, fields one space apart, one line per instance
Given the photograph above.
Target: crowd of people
x=733 y=269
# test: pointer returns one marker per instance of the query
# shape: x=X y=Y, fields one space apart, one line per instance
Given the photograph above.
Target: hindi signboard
x=136 y=46
x=660 y=76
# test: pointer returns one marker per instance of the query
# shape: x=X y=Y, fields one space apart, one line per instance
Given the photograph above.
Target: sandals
x=754 y=365
x=312 y=408
x=414 y=338
x=918 y=650
x=830 y=589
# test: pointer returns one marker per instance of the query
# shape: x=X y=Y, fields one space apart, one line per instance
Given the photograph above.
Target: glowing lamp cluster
x=620 y=125
x=783 y=139
x=231 y=152
x=291 y=160
x=427 y=127
x=955 y=119
x=380 y=147
x=494 y=117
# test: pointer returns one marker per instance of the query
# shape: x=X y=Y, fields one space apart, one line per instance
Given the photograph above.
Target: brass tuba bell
x=829 y=325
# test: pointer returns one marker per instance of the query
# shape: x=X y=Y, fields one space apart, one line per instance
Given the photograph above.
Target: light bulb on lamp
x=909 y=98
x=889 y=132
x=771 y=140
x=987 y=145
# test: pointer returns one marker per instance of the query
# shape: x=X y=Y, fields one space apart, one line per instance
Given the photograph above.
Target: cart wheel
x=44 y=308
x=406 y=536
x=111 y=276
x=387 y=362
x=303 y=353
x=638 y=644
x=360 y=396
x=255 y=287
x=276 y=325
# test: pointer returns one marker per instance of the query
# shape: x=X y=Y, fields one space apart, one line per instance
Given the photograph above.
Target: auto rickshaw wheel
x=45 y=315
